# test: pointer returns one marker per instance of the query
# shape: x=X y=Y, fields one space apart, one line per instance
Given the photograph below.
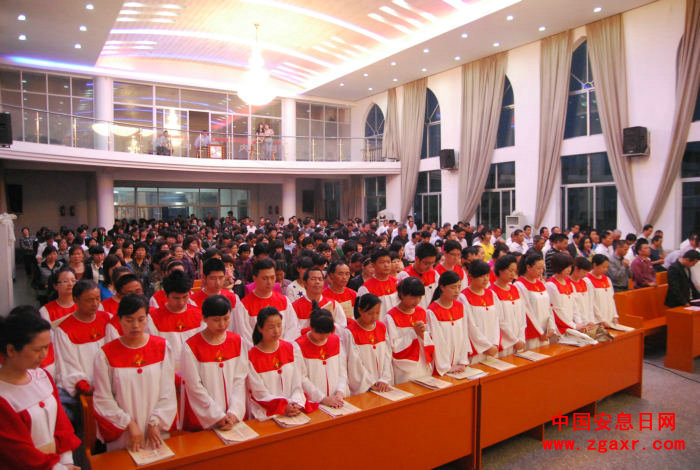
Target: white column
x=7 y=252
x=289 y=198
x=104 y=108
x=289 y=130
x=393 y=196
x=105 y=199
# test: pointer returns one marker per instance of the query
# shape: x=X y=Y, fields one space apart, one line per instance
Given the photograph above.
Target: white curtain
x=555 y=68
x=606 y=50
x=412 y=121
x=482 y=96
x=390 y=145
x=687 y=82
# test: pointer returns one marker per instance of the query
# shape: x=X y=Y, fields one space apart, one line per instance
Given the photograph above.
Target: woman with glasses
x=62 y=283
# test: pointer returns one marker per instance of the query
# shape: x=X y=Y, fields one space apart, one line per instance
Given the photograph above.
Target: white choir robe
x=449 y=330
x=385 y=290
x=302 y=310
x=513 y=319
x=76 y=346
x=176 y=328
x=539 y=311
x=583 y=298
x=133 y=383
x=52 y=312
x=158 y=299
x=49 y=362
x=324 y=369
x=113 y=329
x=430 y=280
x=604 y=309
x=32 y=418
x=246 y=316
x=412 y=357
x=369 y=356
x=483 y=317
x=464 y=283
x=213 y=378
x=274 y=380
x=201 y=295
x=561 y=298
x=294 y=292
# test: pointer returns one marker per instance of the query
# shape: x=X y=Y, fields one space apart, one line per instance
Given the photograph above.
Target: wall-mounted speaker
x=5 y=130
x=447 y=159
x=635 y=141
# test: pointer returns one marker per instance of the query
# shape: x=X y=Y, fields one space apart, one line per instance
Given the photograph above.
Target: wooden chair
x=643 y=308
x=662 y=278
x=89 y=424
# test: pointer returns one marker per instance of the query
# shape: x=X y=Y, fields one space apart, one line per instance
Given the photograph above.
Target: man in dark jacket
x=680 y=288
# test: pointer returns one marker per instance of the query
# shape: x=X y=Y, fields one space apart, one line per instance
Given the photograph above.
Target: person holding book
x=314 y=298
x=583 y=296
x=513 y=319
x=540 y=319
x=483 y=314
x=602 y=292
x=561 y=293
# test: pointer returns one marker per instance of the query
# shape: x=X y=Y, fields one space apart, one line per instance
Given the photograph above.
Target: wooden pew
x=643 y=308
x=425 y=431
x=89 y=424
x=682 y=338
x=662 y=278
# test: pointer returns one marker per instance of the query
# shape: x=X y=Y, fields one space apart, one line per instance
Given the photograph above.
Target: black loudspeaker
x=5 y=130
x=447 y=159
x=14 y=198
x=634 y=141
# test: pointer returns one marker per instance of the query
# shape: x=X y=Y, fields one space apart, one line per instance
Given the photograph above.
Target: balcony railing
x=46 y=127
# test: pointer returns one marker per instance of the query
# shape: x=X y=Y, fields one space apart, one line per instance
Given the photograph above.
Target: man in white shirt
x=689 y=243
x=527 y=236
x=605 y=245
x=411 y=226
x=381 y=230
x=409 y=250
x=647 y=230
x=517 y=242
x=202 y=142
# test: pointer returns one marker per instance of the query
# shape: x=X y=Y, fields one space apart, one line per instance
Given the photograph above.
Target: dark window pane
x=606 y=207
x=506 y=208
x=432 y=209
x=691 y=160
x=435 y=183
x=134 y=115
x=506 y=175
x=691 y=208
x=424 y=144
x=83 y=87
x=595 y=118
x=696 y=114
x=371 y=207
x=574 y=169
x=506 y=128
x=133 y=93
x=579 y=206
x=491 y=178
x=35 y=82
x=431 y=107
x=9 y=79
x=418 y=210
x=508 y=99
x=203 y=100
x=578 y=68
x=576 y=115
x=370 y=186
x=600 y=168
x=381 y=185
x=59 y=85
x=272 y=109
x=167 y=96
x=434 y=140
x=422 y=186
x=316 y=112
x=303 y=110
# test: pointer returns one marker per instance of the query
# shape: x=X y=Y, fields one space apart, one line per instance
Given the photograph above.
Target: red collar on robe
x=348 y=294
x=254 y=304
x=404 y=320
x=580 y=286
x=380 y=288
x=110 y=305
x=80 y=332
x=537 y=286
x=121 y=356
x=303 y=306
x=267 y=362
x=200 y=296
x=167 y=321
x=447 y=315
x=456 y=268
x=428 y=278
x=511 y=294
x=205 y=352
x=56 y=311
x=312 y=351
x=362 y=336
x=565 y=289
x=599 y=283
x=485 y=300
x=114 y=321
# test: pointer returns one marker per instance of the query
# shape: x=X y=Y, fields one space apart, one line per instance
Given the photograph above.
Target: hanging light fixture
x=255 y=89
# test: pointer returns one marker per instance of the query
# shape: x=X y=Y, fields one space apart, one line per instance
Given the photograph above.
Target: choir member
x=604 y=309
x=63 y=282
x=304 y=306
x=134 y=400
x=451 y=261
x=338 y=277
x=111 y=304
x=274 y=371
x=368 y=350
x=422 y=268
x=381 y=283
x=126 y=284
x=159 y=298
x=561 y=293
x=583 y=296
x=448 y=326
x=245 y=320
x=483 y=313
x=323 y=363
x=35 y=431
x=540 y=319
x=177 y=320
x=214 y=370
x=296 y=289
x=214 y=272
x=513 y=317
x=411 y=343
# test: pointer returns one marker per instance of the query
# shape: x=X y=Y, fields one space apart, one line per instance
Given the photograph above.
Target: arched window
x=582 y=111
x=431 y=129
x=506 y=125
x=374 y=133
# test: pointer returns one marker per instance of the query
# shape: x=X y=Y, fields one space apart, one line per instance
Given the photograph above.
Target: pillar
x=289 y=198
x=104 y=109
x=105 y=199
x=289 y=130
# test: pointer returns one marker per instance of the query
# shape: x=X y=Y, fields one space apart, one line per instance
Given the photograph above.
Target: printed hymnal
x=394 y=394
x=239 y=433
x=496 y=363
x=146 y=456
x=291 y=421
x=346 y=409
x=531 y=355
x=618 y=327
x=468 y=373
x=347 y=308
x=432 y=383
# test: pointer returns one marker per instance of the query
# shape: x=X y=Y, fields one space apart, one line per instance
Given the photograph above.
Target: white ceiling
x=310 y=47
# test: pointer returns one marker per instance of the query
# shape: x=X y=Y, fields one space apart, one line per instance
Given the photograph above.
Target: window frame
x=509 y=190
x=500 y=138
x=565 y=187
x=429 y=123
x=422 y=196
x=588 y=88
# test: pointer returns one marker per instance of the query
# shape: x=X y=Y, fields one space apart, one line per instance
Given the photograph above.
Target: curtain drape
x=606 y=50
x=482 y=96
x=390 y=145
x=555 y=68
x=352 y=197
x=687 y=82
x=412 y=121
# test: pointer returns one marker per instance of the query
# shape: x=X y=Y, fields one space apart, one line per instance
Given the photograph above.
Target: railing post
x=37 y=126
x=75 y=131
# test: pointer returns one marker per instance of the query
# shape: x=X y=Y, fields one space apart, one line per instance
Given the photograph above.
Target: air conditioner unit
x=514 y=221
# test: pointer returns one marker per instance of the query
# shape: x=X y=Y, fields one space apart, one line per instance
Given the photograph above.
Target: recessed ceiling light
x=423 y=69
x=458 y=58
x=370 y=88
x=395 y=80
x=365 y=74
x=78 y=46
x=22 y=37
x=142 y=47
x=542 y=28
x=597 y=10
x=128 y=12
x=393 y=64
x=342 y=84
x=89 y=6
x=21 y=18
x=83 y=28
x=465 y=35
x=166 y=13
x=496 y=44
x=126 y=18
x=171 y=6
x=162 y=20
x=133 y=5
x=426 y=50
x=510 y=17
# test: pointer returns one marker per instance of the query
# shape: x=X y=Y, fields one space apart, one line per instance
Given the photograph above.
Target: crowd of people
x=251 y=320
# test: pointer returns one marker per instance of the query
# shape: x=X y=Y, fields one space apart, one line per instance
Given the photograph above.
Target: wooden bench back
x=89 y=424
x=662 y=278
